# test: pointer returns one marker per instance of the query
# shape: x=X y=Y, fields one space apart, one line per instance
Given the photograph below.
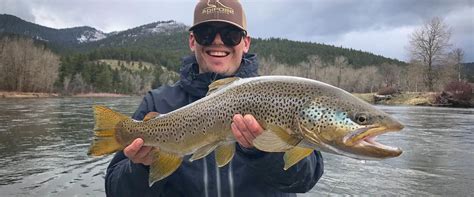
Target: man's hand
x=137 y=153
x=245 y=129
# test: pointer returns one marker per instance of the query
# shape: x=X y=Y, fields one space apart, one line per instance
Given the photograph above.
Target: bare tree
x=428 y=45
x=457 y=56
x=390 y=73
x=341 y=63
x=316 y=64
x=266 y=67
x=370 y=79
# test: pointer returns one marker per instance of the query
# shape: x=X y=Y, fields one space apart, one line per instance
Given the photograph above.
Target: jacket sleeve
x=123 y=177
x=299 y=178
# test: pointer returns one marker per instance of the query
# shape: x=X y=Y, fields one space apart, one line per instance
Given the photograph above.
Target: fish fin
x=163 y=165
x=216 y=85
x=275 y=139
x=203 y=151
x=104 y=131
x=295 y=155
x=224 y=153
x=151 y=115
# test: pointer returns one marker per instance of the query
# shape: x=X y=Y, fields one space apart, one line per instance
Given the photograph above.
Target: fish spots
x=322 y=113
x=271 y=101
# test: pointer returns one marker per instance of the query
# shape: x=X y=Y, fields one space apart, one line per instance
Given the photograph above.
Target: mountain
x=69 y=36
x=163 y=34
x=165 y=42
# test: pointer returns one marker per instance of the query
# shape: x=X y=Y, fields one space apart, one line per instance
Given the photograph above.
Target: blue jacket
x=250 y=173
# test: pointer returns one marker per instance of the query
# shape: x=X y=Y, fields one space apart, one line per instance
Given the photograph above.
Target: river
x=43 y=146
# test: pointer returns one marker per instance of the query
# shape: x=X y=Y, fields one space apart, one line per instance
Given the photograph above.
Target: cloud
x=388 y=42
x=20 y=9
x=361 y=24
x=105 y=15
x=329 y=17
x=380 y=26
x=462 y=23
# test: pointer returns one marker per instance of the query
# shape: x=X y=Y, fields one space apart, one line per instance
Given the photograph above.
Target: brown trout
x=298 y=115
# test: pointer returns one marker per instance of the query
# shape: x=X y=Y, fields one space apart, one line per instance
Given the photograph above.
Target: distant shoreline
x=406 y=98
x=4 y=94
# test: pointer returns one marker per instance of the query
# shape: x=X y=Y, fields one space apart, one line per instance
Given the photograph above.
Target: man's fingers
x=239 y=123
x=143 y=152
x=137 y=153
x=148 y=158
x=131 y=150
x=252 y=125
x=239 y=137
x=242 y=127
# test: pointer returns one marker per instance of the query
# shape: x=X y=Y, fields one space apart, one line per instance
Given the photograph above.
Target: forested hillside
x=294 y=52
x=165 y=42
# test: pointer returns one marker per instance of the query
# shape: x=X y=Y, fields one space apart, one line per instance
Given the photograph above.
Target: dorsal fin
x=151 y=115
x=216 y=85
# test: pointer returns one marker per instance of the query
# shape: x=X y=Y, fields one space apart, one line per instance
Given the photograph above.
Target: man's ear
x=192 y=44
x=247 y=44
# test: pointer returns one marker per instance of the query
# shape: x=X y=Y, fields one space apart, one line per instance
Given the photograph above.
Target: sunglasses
x=231 y=36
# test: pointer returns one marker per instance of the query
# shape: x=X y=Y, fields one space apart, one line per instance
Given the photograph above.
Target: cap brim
x=216 y=20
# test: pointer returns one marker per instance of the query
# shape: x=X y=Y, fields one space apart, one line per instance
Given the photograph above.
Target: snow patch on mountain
x=40 y=38
x=90 y=36
x=162 y=27
x=166 y=27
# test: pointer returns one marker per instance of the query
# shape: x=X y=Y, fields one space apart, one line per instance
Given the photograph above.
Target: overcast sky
x=382 y=27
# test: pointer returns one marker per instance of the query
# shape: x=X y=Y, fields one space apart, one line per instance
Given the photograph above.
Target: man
x=220 y=43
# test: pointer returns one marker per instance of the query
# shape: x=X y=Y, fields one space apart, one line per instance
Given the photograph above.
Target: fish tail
x=105 y=141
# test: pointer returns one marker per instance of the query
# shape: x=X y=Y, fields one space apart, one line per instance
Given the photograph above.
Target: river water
x=43 y=146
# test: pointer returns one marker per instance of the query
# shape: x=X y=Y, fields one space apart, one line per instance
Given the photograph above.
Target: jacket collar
x=196 y=84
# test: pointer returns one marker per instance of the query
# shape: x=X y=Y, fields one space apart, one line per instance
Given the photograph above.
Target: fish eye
x=361 y=118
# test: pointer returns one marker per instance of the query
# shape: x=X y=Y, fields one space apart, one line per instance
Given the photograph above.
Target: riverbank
x=27 y=95
x=405 y=98
x=52 y=95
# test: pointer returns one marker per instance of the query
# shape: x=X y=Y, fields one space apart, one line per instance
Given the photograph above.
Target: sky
x=382 y=27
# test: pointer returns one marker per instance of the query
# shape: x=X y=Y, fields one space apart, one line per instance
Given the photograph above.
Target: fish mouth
x=362 y=142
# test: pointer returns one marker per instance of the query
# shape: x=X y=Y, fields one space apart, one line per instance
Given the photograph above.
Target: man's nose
x=217 y=40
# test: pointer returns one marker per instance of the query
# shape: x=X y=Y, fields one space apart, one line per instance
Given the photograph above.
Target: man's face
x=219 y=57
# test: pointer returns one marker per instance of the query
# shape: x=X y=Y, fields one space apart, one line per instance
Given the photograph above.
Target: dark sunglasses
x=231 y=36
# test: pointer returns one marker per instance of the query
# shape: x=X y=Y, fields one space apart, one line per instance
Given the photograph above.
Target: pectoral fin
x=203 y=151
x=224 y=154
x=164 y=164
x=275 y=139
x=295 y=155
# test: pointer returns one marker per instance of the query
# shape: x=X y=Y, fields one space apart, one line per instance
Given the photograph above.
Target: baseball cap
x=228 y=11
